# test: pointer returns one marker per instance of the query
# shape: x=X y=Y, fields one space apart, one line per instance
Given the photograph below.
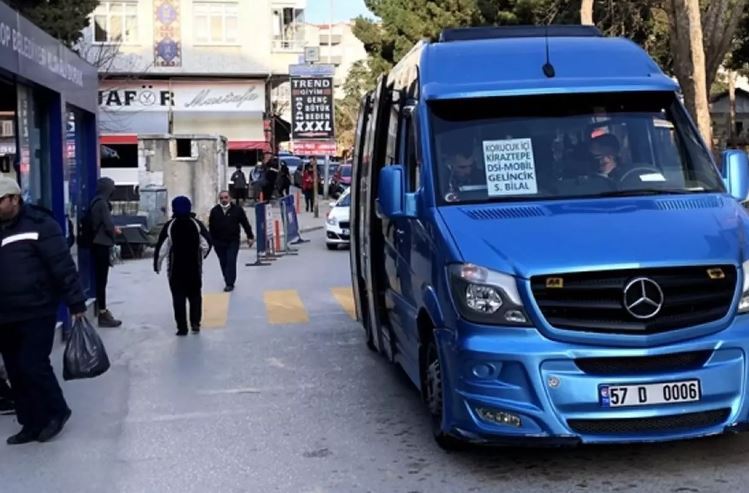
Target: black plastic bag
x=85 y=356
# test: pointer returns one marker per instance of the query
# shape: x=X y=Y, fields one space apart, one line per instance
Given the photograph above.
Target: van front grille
x=676 y=298
x=676 y=422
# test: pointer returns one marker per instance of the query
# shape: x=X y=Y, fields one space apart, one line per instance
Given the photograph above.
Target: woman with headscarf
x=184 y=242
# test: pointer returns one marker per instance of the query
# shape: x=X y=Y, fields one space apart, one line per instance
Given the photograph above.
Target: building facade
x=190 y=67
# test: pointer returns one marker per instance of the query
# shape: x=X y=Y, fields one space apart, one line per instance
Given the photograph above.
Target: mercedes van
x=545 y=244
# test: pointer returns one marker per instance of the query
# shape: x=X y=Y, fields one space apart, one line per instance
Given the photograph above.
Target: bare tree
x=689 y=61
x=720 y=20
x=586 y=12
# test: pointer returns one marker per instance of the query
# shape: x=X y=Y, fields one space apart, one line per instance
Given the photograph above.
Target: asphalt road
x=280 y=393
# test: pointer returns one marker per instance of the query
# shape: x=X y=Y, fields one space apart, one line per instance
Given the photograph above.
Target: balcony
x=288 y=45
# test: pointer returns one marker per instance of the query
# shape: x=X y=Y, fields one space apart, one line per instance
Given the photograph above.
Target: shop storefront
x=129 y=108
x=48 y=132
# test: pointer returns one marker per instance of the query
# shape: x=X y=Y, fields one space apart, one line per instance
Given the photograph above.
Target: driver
x=464 y=170
x=605 y=152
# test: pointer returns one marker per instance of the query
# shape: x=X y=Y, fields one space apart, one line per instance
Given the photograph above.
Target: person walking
x=38 y=273
x=223 y=225
x=238 y=185
x=184 y=242
x=284 y=181
x=104 y=232
x=308 y=187
x=270 y=176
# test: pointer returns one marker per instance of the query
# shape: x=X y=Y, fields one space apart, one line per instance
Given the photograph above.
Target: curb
x=310 y=229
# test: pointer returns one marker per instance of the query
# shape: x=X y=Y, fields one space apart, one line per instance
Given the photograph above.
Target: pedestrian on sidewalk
x=238 y=186
x=184 y=242
x=38 y=273
x=223 y=224
x=308 y=187
x=270 y=175
x=284 y=181
x=104 y=231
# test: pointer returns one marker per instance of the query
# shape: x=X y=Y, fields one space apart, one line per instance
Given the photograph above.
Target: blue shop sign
x=29 y=52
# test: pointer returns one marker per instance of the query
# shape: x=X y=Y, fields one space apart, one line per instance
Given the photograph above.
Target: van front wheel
x=434 y=396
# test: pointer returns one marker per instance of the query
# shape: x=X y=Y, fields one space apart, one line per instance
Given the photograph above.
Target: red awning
x=248 y=145
x=118 y=139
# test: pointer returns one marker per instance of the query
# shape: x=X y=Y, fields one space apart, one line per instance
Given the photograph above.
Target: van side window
x=413 y=166
x=391 y=154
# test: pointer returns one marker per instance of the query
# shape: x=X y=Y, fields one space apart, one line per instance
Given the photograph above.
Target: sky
x=318 y=11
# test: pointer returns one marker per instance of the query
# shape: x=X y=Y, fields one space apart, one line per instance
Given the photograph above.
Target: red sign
x=315 y=147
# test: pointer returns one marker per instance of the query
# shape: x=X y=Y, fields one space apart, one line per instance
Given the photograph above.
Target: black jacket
x=184 y=243
x=101 y=213
x=224 y=226
x=37 y=269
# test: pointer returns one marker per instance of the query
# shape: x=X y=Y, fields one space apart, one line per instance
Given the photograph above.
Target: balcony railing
x=291 y=45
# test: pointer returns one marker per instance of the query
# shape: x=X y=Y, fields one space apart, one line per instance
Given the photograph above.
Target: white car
x=337 y=224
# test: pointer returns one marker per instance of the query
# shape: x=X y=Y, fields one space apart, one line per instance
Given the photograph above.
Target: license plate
x=650 y=394
x=345 y=232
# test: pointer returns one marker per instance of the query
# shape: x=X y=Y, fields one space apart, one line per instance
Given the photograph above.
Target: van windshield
x=565 y=146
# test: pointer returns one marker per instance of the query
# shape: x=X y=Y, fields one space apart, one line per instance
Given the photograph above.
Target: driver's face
x=462 y=165
x=605 y=157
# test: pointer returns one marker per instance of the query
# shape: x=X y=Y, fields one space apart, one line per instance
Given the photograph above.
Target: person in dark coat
x=223 y=224
x=284 y=181
x=269 y=178
x=184 y=242
x=38 y=273
x=101 y=250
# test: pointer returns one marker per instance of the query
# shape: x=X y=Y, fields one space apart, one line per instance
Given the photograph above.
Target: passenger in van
x=605 y=151
x=466 y=173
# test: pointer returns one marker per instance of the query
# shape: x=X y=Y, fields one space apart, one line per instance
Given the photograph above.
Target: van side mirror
x=392 y=200
x=736 y=174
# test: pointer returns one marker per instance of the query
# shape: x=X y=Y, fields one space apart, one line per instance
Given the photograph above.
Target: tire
x=433 y=395
x=331 y=246
x=368 y=326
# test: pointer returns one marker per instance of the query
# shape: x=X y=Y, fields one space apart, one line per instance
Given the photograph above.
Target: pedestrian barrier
x=274 y=237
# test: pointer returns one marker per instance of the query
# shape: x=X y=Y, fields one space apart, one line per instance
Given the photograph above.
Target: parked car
x=337 y=224
x=343 y=175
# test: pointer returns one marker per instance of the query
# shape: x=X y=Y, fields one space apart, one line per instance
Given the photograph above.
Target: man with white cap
x=38 y=273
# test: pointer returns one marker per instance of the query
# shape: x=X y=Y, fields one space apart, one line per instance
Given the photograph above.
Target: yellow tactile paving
x=215 y=310
x=345 y=297
x=285 y=307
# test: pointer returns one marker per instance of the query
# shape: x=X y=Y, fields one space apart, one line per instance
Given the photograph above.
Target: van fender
x=431 y=304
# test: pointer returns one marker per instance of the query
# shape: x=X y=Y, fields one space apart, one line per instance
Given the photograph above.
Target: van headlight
x=744 y=302
x=486 y=297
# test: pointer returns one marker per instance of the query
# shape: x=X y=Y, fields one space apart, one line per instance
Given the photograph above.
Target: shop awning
x=248 y=145
x=118 y=139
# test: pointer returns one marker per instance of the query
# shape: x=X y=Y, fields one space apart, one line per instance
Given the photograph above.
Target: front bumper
x=335 y=235
x=556 y=398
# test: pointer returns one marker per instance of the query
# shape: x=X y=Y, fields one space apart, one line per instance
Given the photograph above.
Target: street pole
x=326 y=176
x=315 y=209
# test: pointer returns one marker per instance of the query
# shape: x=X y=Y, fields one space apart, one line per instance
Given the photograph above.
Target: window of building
x=116 y=22
x=184 y=148
x=216 y=23
x=288 y=28
x=7 y=128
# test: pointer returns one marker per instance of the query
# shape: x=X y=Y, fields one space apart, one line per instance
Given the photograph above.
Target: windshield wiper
x=648 y=191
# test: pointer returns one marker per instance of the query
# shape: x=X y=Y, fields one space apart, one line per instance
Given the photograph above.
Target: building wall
x=253 y=51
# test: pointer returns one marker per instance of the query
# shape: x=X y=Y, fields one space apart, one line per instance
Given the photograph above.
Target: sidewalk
x=307 y=221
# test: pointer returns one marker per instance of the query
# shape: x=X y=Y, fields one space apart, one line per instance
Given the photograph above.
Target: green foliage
x=63 y=19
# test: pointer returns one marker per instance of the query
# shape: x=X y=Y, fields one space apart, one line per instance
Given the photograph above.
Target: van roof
x=506 y=66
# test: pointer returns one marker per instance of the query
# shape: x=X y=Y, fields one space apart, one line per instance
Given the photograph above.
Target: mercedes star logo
x=643 y=298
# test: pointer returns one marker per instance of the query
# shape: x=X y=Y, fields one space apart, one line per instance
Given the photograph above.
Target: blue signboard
x=261 y=227
x=32 y=54
x=291 y=222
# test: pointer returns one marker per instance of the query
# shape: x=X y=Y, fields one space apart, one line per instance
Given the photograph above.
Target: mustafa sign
x=312 y=108
x=246 y=96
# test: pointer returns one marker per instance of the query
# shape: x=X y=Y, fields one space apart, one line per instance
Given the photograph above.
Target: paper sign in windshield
x=510 y=167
